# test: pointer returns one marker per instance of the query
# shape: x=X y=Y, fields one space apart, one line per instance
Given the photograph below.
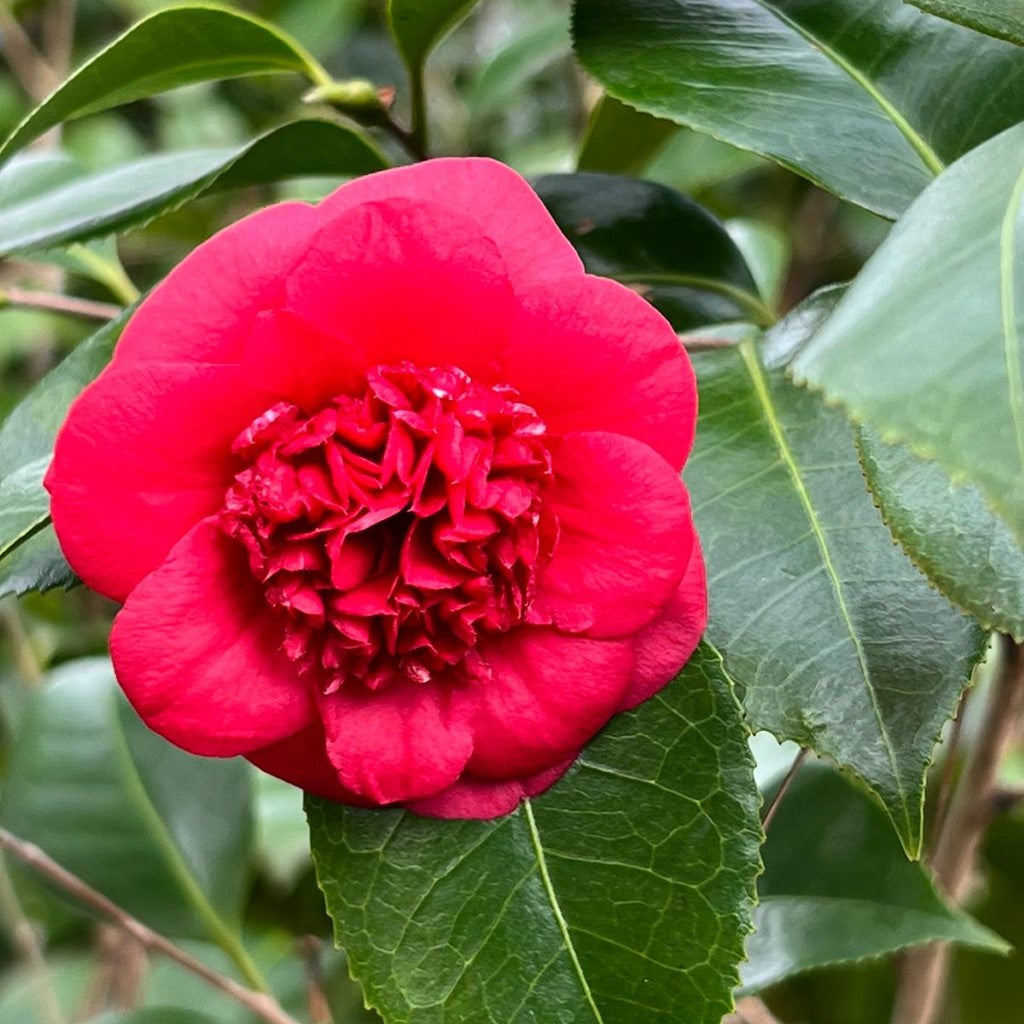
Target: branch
x=784 y=788
x=28 y=65
x=262 y=1004
x=58 y=303
x=923 y=981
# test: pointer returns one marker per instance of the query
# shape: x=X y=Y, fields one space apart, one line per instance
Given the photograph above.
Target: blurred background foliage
x=200 y=849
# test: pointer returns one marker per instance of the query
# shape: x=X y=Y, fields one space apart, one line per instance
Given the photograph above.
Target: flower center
x=394 y=528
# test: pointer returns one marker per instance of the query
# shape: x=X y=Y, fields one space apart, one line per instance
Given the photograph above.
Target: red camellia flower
x=389 y=488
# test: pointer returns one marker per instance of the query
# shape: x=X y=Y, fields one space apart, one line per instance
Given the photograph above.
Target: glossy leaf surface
x=837 y=640
x=1001 y=18
x=621 y=894
x=949 y=382
x=841 y=91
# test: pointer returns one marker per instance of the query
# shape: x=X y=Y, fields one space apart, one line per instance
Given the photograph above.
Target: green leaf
x=948 y=382
x=281 y=830
x=621 y=139
x=836 y=887
x=949 y=533
x=844 y=93
x=1003 y=19
x=544 y=41
x=839 y=643
x=419 y=25
x=111 y=200
x=623 y=893
x=30 y=558
x=171 y=48
x=126 y=811
x=659 y=242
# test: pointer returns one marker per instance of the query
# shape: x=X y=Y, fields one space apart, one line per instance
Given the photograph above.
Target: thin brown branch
x=751 y=1011
x=949 y=767
x=319 y=1007
x=57 y=32
x=262 y=1004
x=923 y=978
x=27 y=64
x=58 y=303
x=780 y=794
x=29 y=669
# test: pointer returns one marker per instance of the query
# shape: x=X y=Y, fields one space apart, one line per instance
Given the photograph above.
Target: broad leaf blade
x=836 y=887
x=1003 y=19
x=842 y=92
x=838 y=641
x=135 y=829
x=30 y=557
x=171 y=48
x=621 y=139
x=666 y=246
x=621 y=894
x=949 y=533
x=111 y=200
x=419 y=26
x=949 y=381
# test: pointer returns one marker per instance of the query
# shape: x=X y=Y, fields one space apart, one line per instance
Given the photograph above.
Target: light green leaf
x=93 y=204
x=840 y=91
x=126 y=811
x=419 y=25
x=30 y=558
x=623 y=893
x=949 y=533
x=836 y=887
x=666 y=246
x=171 y=48
x=839 y=643
x=1001 y=18
x=282 y=835
x=926 y=345
x=621 y=139
x=767 y=252
x=527 y=54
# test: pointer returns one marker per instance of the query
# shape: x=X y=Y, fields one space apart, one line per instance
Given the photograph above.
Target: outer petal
x=302 y=760
x=402 y=743
x=403 y=281
x=539 y=696
x=202 y=311
x=625 y=536
x=665 y=645
x=589 y=354
x=499 y=200
x=481 y=798
x=197 y=651
x=144 y=455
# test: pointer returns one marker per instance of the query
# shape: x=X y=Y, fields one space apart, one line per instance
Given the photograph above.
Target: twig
x=262 y=1004
x=26 y=942
x=784 y=788
x=57 y=29
x=58 y=303
x=751 y=1011
x=949 y=768
x=319 y=1008
x=923 y=979
x=29 y=669
x=29 y=66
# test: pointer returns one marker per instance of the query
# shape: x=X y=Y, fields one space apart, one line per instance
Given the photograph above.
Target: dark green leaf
x=926 y=345
x=419 y=25
x=838 y=641
x=949 y=533
x=621 y=139
x=30 y=558
x=171 y=48
x=1001 y=18
x=112 y=200
x=622 y=894
x=836 y=887
x=164 y=834
x=666 y=246
x=843 y=92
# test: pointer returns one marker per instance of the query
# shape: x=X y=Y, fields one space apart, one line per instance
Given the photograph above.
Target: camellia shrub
x=561 y=469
